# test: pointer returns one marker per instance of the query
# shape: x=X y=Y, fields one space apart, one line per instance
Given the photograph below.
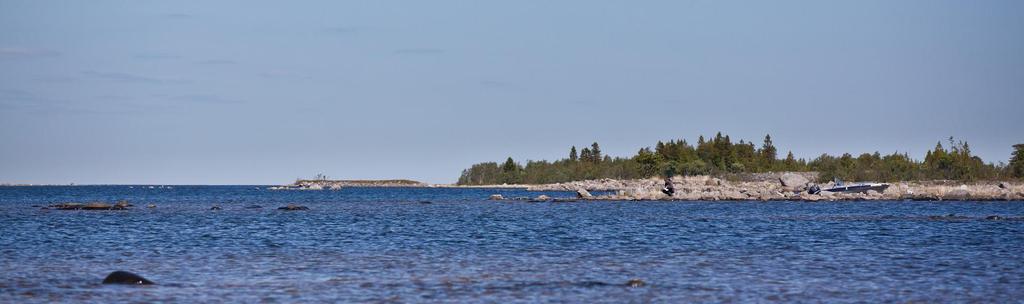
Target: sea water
x=453 y=245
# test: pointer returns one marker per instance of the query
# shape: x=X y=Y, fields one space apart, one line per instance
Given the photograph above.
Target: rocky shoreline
x=785 y=187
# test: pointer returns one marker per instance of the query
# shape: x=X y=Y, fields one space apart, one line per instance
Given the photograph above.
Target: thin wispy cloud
x=341 y=30
x=22 y=52
x=283 y=74
x=54 y=79
x=419 y=51
x=130 y=78
x=216 y=62
x=178 y=16
x=156 y=56
x=204 y=99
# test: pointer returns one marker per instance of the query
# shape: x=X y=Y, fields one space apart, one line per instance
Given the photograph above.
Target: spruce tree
x=768 y=152
x=572 y=154
x=1017 y=162
x=595 y=152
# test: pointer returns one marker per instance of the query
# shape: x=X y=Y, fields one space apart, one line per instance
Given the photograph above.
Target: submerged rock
x=216 y=208
x=151 y=206
x=293 y=207
x=634 y=283
x=496 y=197
x=122 y=205
x=542 y=198
x=124 y=277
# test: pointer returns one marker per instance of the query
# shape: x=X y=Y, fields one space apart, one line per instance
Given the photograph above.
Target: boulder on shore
x=792 y=181
x=124 y=277
x=958 y=194
x=584 y=194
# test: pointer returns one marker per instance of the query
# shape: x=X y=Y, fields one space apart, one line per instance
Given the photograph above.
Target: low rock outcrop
x=122 y=205
x=783 y=187
x=127 y=278
x=293 y=207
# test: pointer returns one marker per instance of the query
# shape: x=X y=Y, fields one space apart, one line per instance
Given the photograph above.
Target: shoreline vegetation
x=719 y=156
x=718 y=169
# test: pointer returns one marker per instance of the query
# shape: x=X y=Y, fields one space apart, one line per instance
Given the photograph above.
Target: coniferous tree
x=572 y=154
x=1017 y=161
x=790 y=162
x=595 y=152
x=586 y=155
x=768 y=153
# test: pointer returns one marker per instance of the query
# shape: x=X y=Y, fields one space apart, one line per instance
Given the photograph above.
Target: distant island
x=322 y=182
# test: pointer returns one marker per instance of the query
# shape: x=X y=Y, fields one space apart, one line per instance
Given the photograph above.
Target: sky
x=263 y=92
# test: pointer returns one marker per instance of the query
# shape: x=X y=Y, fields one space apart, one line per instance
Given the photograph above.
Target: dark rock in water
x=950 y=216
x=564 y=200
x=426 y=202
x=253 y=207
x=97 y=206
x=994 y=217
x=124 y=277
x=635 y=283
x=67 y=206
x=293 y=207
x=215 y=208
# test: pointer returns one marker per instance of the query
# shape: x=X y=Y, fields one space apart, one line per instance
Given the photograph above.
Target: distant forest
x=720 y=155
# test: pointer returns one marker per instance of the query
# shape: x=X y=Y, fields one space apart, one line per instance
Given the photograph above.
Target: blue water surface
x=391 y=245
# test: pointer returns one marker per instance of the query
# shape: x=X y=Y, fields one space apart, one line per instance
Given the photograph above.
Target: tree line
x=719 y=155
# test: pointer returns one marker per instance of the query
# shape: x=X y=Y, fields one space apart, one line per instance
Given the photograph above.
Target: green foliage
x=1016 y=167
x=720 y=155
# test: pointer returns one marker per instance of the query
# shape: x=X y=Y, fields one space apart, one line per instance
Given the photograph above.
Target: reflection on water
x=367 y=244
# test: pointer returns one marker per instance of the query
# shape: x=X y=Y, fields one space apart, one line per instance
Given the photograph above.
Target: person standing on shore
x=669 y=188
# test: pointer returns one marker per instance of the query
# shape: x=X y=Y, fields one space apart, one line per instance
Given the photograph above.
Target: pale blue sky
x=243 y=92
